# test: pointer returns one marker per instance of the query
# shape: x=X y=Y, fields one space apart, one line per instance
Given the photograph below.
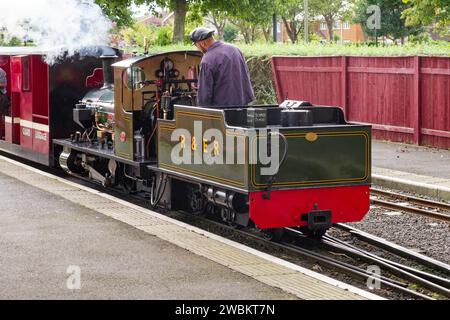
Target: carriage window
x=26 y=74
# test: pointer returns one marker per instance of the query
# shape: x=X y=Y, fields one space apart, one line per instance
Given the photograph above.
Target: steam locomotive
x=134 y=123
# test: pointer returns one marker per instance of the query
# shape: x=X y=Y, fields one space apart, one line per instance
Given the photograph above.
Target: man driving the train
x=224 y=78
x=4 y=100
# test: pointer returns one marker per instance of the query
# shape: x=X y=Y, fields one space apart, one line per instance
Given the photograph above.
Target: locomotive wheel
x=273 y=234
x=128 y=185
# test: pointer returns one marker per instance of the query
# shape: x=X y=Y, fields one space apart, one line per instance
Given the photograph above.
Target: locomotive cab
x=147 y=89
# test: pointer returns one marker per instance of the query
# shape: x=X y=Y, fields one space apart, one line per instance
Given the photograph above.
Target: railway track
x=410 y=204
x=405 y=277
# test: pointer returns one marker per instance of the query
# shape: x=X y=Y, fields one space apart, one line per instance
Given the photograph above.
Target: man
x=4 y=100
x=224 y=78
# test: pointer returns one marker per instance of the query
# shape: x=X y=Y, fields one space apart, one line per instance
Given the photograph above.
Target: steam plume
x=56 y=25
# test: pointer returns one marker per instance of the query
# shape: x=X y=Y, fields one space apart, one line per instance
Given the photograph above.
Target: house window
x=346 y=25
x=323 y=26
x=337 y=25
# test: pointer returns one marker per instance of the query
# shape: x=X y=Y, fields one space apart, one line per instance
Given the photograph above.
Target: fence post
x=416 y=112
x=276 y=83
x=344 y=87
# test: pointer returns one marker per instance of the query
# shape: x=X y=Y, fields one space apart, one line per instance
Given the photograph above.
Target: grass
x=315 y=49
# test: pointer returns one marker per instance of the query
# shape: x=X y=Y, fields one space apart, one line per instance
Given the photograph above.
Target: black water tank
x=296 y=118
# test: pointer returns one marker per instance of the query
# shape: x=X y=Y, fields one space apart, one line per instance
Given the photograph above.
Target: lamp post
x=306 y=22
x=275 y=27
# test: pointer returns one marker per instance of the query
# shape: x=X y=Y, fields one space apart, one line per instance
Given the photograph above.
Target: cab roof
x=133 y=60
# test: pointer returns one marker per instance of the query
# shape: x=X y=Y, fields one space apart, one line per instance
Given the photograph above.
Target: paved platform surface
x=412 y=168
x=42 y=235
x=126 y=252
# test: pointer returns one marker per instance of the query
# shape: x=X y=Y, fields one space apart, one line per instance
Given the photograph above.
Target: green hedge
x=267 y=50
x=258 y=58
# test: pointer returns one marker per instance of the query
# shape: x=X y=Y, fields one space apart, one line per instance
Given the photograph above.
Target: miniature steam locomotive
x=134 y=124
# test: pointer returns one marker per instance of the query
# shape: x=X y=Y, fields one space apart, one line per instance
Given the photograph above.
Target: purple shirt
x=224 y=78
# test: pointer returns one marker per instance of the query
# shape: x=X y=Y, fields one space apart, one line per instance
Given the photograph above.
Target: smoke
x=57 y=26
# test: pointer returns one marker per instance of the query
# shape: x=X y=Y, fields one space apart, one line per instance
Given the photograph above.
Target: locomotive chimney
x=108 y=72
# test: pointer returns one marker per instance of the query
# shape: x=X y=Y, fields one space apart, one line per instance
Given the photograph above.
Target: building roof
x=157 y=20
x=16 y=51
x=94 y=51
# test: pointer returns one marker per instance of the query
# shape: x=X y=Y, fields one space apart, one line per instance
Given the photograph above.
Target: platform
x=126 y=252
x=416 y=169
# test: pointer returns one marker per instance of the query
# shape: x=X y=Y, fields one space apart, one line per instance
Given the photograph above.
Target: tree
x=119 y=10
x=428 y=12
x=291 y=12
x=247 y=15
x=219 y=21
x=392 y=24
x=330 y=10
x=230 y=33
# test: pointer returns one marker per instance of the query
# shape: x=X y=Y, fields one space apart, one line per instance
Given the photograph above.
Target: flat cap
x=200 y=34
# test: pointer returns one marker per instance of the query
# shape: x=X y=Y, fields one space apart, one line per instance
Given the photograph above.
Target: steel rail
x=393 y=269
x=444 y=282
x=420 y=201
x=410 y=209
x=396 y=249
x=315 y=257
x=334 y=263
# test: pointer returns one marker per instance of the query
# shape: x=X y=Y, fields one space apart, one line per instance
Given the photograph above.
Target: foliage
x=231 y=33
x=193 y=20
x=428 y=12
x=163 y=37
x=13 y=42
x=180 y=9
x=260 y=74
x=119 y=10
x=134 y=35
x=258 y=58
x=249 y=16
x=331 y=11
x=290 y=10
x=436 y=48
x=392 y=23
x=156 y=36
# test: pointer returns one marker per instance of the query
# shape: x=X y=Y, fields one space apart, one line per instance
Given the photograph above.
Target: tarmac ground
x=44 y=239
x=416 y=169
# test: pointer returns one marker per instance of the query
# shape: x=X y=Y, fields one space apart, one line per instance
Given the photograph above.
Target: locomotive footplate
x=97 y=150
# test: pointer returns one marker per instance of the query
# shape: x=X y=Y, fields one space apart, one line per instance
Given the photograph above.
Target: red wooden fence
x=406 y=99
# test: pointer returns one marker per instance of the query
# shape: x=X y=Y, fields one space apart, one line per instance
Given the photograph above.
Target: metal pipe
x=108 y=73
